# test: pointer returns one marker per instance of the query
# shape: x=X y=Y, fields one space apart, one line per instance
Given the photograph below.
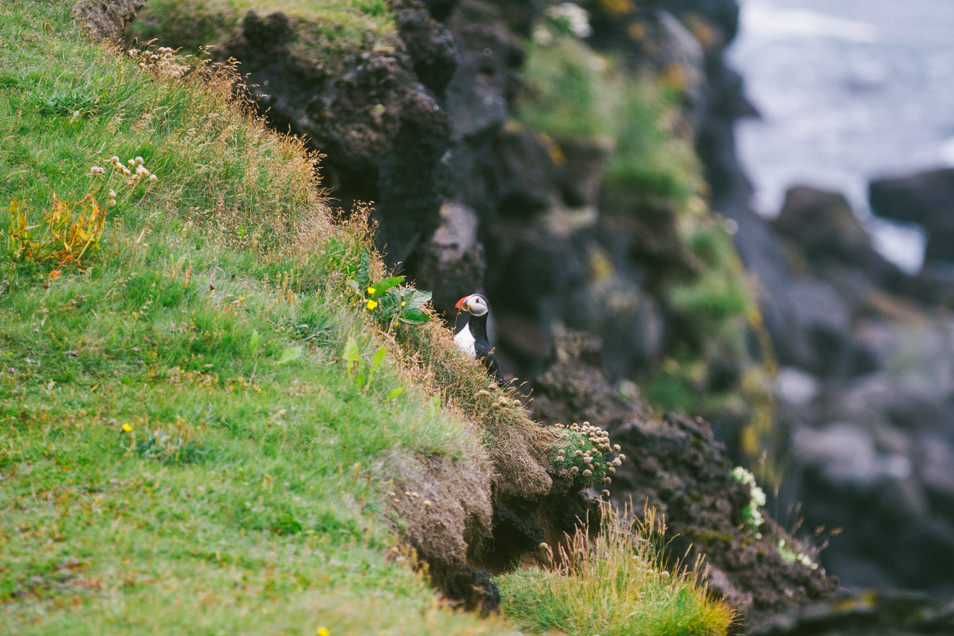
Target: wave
x=779 y=23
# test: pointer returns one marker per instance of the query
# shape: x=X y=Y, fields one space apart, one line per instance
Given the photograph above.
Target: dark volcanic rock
x=881 y=613
x=823 y=225
x=722 y=15
x=452 y=263
x=819 y=327
x=380 y=125
x=925 y=198
x=872 y=456
x=677 y=467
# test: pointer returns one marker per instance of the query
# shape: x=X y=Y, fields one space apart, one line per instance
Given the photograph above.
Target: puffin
x=470 y=336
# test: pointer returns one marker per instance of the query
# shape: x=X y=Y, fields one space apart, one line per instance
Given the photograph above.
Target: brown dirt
x=106 y=19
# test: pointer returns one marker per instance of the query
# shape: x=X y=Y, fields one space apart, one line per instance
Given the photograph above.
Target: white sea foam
x=903 y=245
x=945 y=153
x=785 y=23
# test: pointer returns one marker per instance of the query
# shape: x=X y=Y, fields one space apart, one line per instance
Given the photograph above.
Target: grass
x=180 y=445
x=616 y=584
x=182 y=448
x=567 y=91
x=325 y=29
x=570 y=91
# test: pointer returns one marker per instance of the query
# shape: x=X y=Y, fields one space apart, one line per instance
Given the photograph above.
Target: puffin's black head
x=475 y=304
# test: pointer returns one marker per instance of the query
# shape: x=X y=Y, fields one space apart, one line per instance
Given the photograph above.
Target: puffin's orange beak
x=460 y=303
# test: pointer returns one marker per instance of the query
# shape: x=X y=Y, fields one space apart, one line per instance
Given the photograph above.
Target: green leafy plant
x=587 y=454
x=389 y=302
x=363 y=372
x=567 y=92
x=175 y=443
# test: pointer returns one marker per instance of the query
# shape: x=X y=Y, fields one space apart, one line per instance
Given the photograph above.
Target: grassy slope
x=248 y=493
x=207 y=318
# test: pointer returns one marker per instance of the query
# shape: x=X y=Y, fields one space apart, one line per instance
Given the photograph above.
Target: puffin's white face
x=475 y=304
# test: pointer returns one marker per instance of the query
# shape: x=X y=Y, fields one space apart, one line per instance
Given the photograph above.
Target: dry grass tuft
x=512 y=439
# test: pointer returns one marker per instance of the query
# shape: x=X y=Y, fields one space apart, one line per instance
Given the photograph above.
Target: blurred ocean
x=848 y=90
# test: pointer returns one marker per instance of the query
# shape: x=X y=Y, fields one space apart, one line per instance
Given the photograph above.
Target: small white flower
x=575 y=17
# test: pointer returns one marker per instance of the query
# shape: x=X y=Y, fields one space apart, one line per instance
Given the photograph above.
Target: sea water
x=848 y=90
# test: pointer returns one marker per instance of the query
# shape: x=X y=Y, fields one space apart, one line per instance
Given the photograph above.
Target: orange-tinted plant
x=68 y=233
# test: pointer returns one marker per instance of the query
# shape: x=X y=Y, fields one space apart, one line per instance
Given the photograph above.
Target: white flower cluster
x=753 y=515
x=163 y=60
x=792 y=553
x=574 y=16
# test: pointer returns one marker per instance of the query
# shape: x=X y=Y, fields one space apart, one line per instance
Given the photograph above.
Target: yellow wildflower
x=127 y=428
x=371 y=291
x=323 y=631
x=372 y=304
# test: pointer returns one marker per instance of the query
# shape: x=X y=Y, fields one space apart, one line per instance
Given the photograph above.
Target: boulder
x=830 y=242
x=106 y=19
x=925 y=198
x=822 y=225
x=817 y=327
x=452 y=262
x=885 y=613
x=382 y=127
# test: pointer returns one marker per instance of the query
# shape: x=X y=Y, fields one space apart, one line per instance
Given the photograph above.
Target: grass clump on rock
x=617 y=583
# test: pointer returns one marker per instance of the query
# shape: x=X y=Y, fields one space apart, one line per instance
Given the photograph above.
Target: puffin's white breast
x=464 y=340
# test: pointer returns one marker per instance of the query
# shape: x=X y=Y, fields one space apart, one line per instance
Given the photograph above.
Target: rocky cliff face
x=865 y=395
x=864 y=387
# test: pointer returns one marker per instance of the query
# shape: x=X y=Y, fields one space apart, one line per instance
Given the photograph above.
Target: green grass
x=325 y=29
x=182 y=449
x=615 y=584
x=567 y=90
x=180 y=446
x=570 y=91
x=649 y=159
